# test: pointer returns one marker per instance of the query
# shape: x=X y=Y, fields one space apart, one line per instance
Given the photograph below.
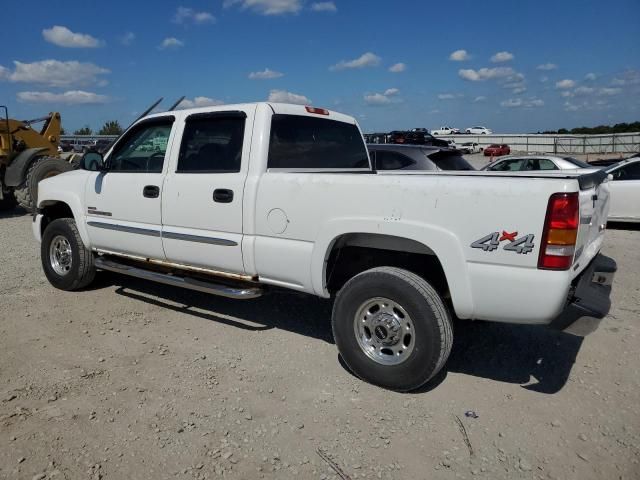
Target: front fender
x=443 y=243
x=67 y=188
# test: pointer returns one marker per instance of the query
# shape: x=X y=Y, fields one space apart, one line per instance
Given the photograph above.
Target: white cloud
x=267 y=7
x=459 y=56
x=171 y=43
x=4 y=72
x=390 y=95
x=265 y=74
x=544 y=79
x=547 y=66
x=189 y=15
x=480 y=98
x=583 y=91
x=282 y=96
x=566 y=83
x=324 y=7
x=72 y=97
x=55 y=73
x=630 y=77
x=199 y=102
x=63 y=37
x=519 y=102
x=590 y=76
x=609 y=91
x=127 y=39
x=519 y=90
x=571 y=107
x=398 y=68
x=486 y=73
x=446 y=96
x=567 y=94
x=502 y=57
x=365 y=60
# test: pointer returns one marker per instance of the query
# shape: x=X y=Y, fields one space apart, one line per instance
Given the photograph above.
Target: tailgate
x=594 y=209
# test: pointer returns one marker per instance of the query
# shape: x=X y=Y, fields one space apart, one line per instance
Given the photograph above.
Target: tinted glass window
x=306 y=142
x=386 y=160
x=507 y=166
x=576 y=162
x=628 y=172
x=211 y=144
x=143 y=149
x=449 y=161
x=539 y=164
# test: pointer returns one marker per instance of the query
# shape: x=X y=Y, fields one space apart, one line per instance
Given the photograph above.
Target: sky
x=513 y=66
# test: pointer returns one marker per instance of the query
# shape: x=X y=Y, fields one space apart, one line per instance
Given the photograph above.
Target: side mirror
x=93 y=162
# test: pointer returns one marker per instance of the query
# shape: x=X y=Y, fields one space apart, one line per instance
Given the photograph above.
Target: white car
x=525 y=163
x=241 y=198
x=443 y=131
x=469 y=147
x=625 y=190
x=478 y=131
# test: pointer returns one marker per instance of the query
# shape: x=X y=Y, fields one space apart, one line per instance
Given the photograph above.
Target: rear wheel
x=392 y=328
x=41 y=168
x=67 y=262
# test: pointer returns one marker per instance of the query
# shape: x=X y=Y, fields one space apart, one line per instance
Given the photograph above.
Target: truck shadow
x=536 y=357
x=15 y=212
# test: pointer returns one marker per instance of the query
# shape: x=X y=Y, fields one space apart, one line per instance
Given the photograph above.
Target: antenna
x=178 y=102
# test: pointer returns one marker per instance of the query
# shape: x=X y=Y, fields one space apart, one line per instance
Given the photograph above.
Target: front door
x=123 y=203
x=624 y=191
x=202 y=198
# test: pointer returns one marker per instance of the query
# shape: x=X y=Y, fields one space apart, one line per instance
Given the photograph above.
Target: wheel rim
x=60 y=255
x=384 y=331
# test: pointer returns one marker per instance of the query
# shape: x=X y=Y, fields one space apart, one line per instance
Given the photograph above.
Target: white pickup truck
x=445 y=131
x=242 y=198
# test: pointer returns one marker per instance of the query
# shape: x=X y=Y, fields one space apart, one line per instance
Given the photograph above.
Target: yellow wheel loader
x=26 y=157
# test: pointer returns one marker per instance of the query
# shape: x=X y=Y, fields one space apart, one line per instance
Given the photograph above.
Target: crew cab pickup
x=237 y=199
x=445 y=131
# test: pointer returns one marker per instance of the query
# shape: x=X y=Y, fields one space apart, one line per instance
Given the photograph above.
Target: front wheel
x=67 y=262
x=392 y=328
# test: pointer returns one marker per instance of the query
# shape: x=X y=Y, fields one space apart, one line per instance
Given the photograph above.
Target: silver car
x=525 y=163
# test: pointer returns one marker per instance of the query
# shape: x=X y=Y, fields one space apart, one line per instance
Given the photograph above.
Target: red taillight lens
x=317 y=111
x=560 y=232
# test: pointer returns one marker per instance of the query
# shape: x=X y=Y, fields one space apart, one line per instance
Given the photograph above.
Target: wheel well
x=53 y=211
x=352 y=254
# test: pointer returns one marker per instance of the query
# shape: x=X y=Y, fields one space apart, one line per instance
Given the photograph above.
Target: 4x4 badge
x=491 y=242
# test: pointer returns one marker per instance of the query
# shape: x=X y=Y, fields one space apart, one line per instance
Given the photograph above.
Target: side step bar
x=184 y=282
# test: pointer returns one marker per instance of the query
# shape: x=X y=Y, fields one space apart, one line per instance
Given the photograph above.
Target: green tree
x=84 y=131
x=111 y=128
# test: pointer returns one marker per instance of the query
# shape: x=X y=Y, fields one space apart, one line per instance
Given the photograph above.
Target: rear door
x=202 y=200
x=625 y=192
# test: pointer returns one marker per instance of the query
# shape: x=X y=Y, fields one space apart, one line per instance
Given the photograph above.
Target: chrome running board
x=111 y=265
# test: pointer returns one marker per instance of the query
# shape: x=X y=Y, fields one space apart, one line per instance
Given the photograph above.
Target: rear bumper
x=589 y=301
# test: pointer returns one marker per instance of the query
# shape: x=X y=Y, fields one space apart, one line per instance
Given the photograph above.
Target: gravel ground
x=132 y=380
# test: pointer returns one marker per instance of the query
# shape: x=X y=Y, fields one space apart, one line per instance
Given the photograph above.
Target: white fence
x=623 y=143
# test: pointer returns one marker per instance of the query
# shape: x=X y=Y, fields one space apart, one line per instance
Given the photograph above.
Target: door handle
x=223 y=195
x=151 y=191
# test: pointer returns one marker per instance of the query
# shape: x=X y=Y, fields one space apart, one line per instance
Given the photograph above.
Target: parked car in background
x=65 y=146
x=469 y=147
x=101 y=145
x=478 y=131
x=443 y=131
x=625 y=190
x=420 y=129
x=416 y=138
x=414 y=157
x=497 y=150
x=452 y=143
x=538 y=162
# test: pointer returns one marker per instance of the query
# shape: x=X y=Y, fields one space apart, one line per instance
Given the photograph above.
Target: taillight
x=318 y=111
x=560 y=232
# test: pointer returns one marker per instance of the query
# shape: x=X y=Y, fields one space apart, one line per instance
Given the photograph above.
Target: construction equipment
x=26 y=157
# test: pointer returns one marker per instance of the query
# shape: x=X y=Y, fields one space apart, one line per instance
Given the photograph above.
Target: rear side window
x=627 y=172
x=301 y=142
x=449 y=161
x=386 y=160
x=212 y=144
x=507 y=166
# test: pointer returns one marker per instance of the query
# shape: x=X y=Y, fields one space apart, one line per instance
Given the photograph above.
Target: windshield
x=446 y=160
x=576 y=162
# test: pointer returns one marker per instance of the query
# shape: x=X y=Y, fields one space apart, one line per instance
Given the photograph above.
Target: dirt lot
x=131 y=380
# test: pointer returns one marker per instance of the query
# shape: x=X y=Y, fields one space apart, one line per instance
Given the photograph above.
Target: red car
x=496 y=150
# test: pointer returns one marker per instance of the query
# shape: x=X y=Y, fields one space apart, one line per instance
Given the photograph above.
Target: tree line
x=111 y=127
x=599 y=130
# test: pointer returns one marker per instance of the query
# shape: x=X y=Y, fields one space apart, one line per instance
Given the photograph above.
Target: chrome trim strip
x=199 y=239
x=93 y=211
x=124 y=228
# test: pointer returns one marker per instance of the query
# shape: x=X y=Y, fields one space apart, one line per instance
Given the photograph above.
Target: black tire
x=81 y=271
x=8 y=201
x=40 y=168
x=431 y=322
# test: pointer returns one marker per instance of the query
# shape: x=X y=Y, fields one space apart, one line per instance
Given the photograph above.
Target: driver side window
x=143 y=150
